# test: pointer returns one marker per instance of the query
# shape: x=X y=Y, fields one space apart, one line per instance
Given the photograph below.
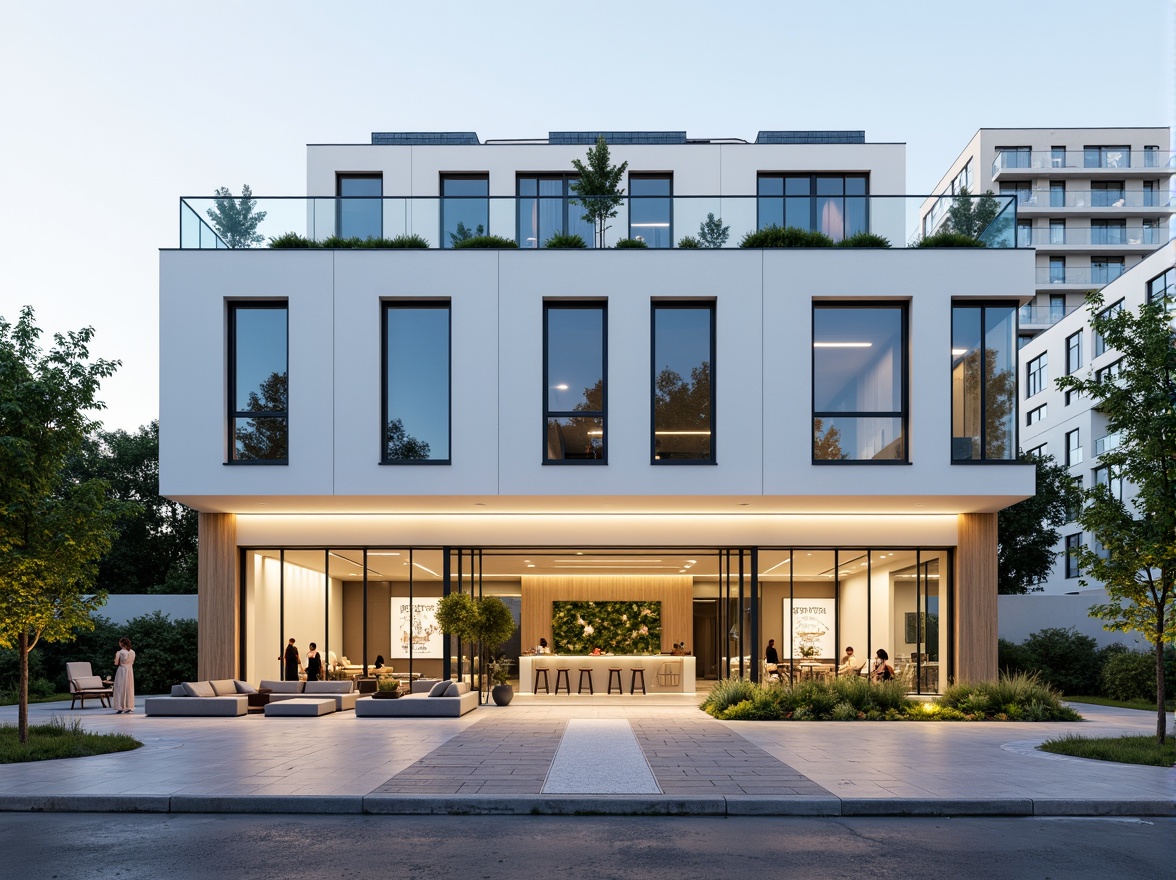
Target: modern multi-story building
x=1092 y=202
x=807 y=445
x=1064 y=425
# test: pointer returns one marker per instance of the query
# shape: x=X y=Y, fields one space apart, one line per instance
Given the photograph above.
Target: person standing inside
x=771 y=655
x=292 y=662
x=314 y=664
x=123 y=697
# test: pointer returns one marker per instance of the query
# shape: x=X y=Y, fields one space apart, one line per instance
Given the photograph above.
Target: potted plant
x=486 y=622
x=502 y=692
x=387 y=689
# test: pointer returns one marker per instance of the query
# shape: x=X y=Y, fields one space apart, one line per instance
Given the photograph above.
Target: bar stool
x=542 y=670
x=615 y=671
x=561 y=674
x=580 y=689
x=633 y=681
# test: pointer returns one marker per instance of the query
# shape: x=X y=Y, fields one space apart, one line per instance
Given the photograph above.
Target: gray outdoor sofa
x=220 y=698
x=342 y=692
x=429 y=699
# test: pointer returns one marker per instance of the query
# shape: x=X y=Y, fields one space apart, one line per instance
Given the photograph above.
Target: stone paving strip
x=599 y=756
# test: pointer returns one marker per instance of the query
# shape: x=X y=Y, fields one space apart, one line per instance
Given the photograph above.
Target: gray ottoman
x=303 y=707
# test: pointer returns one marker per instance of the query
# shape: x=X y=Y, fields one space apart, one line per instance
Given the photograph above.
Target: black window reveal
x=259 y=411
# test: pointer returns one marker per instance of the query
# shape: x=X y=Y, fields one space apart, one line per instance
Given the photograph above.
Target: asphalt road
x=72 y=846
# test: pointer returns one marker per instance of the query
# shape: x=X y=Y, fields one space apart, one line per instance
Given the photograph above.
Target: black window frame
x=340 y=176
x=651 y=175
x=1042 y=410
x=1036 y=374
x=1100 y=153
x=233 y=306
x=1111 y=480
x=1024 y=157
x=464 y=175
x=1015 y=442
x=1168 y=288
x=566 y=198
x=712 y=306
x=814 y=220
x=1074 y=447
x=548 y=414
x=1073 y=542
x=387 y=305
x=904 y=414
x=1099 y=345
x=1040 y=451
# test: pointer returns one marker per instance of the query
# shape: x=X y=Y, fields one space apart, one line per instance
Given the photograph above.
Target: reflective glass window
x=859 y=383
x=259 y=414
x=651 y=209
x=984 y=382
x=547 y=206
x=465 y=207
x=359 y=208
x=683 y=376
x=835 y=204
x=416 y=383
x=574 y=381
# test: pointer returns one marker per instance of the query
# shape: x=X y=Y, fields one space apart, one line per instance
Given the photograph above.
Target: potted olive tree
x=486 y=623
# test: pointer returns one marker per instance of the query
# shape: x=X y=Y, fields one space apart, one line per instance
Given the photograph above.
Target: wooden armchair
x=84 y=685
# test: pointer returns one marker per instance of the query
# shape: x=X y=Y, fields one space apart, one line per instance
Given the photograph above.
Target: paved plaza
x=497 y=760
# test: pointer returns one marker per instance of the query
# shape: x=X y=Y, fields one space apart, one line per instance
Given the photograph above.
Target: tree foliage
x=399 y=445
x=485 y=622
x=53 y=529
x=154 y=549
x=265 y=437
x=1137 y=561
x=712 y=233
x=599 y=187
x=236 y=220
x=464 y=233
x=972 y=216
x=683 y=407
x=1027 y=531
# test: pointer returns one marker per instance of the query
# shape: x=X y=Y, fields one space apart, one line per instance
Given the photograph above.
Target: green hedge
x=1074 y=664
x=950 y=239
x=486 y=241
x=565 y=240
x=785 y=237
x=292 y=240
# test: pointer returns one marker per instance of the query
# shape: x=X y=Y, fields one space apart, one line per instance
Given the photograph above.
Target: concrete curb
x=584 y=805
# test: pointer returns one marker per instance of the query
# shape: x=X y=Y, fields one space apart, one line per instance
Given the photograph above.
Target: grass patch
x=1121 y=749
x=9 y=698
x=60 y=739
x=1146 y=705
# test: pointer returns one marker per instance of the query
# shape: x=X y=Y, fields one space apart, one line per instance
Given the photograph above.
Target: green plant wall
x=614 y=627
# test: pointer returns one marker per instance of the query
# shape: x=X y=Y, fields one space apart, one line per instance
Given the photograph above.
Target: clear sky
x=109 y=112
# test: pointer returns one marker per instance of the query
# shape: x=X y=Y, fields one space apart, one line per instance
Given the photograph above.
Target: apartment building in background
x=1065 y=425
x=806 y=444
x=1092 y=203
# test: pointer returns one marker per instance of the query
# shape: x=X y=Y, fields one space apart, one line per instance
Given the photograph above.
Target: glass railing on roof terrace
x=1094 y=159
x=1099 y=274
x=1042 y=316
x=1122 y=236
x=1099 y=198
x=530 y=222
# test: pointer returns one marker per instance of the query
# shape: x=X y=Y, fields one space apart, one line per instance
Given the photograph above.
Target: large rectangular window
x=1105 y=476
x=1073 y=542
x=1036 y=374
x=1104 y=270
x=859 y=382
x=574 y=371
x=1162 y=287
x=359 y=208
x=1073 y=353
x=835 y=204
x=547 y=207
x=651 y=209
x=983 y=382
x=259 y=411
x=415 y=421
x=1100 y=345
x=1073 y=447
x=465 y=207
x=682 y=373
x=1014 y=157
x=1106 y=157
x=1106 y=193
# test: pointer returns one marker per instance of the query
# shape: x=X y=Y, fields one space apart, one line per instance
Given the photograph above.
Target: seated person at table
x=771 y=655
x=883 y=671
x=596 y=652
x=379 y=661
x=542 y=649
x=850 y=663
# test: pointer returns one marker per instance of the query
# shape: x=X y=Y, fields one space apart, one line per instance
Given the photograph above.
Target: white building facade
x=807 y=445
x=1092 y=202
x=1064 y=425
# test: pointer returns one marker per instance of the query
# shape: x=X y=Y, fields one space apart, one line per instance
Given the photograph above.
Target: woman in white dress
x=124 y=678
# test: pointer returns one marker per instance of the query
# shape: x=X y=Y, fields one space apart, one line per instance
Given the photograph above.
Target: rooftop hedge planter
x=630 y=243
x=486 y=241
x=562 y=240
x=864 y=240
x=293 y=240
x=950 y=239
x=689 y=241
x=785 y=237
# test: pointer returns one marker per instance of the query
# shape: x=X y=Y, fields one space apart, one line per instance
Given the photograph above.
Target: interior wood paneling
x=675 y=593
x=218 y=601
x=975 y=608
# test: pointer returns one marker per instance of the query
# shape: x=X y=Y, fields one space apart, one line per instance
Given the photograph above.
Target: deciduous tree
x=236 y=220
x=1027 y=531
x=599 y=187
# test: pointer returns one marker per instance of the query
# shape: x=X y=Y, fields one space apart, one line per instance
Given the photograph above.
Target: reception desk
x=664 y=674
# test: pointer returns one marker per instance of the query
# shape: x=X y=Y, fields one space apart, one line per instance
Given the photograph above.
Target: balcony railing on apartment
x=660 y=221
x=1081 y=275
x=1121 y=236
x=1042 y=316
x=1011 y=160
x=1099 y=198
x=1106 y=443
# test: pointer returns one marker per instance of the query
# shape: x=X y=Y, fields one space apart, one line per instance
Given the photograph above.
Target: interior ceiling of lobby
x=391 y=564
x=599 y=504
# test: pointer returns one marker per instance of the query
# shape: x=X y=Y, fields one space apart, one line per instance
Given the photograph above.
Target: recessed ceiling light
x=561 y=387
x=530 y=565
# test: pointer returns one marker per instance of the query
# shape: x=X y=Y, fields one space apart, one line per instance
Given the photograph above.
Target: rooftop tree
x=599 y=187
x=236 y=220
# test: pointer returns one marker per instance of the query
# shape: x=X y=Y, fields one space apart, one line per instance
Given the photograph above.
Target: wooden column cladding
x=675 y=592
x=975 y=607
x=218 y=604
